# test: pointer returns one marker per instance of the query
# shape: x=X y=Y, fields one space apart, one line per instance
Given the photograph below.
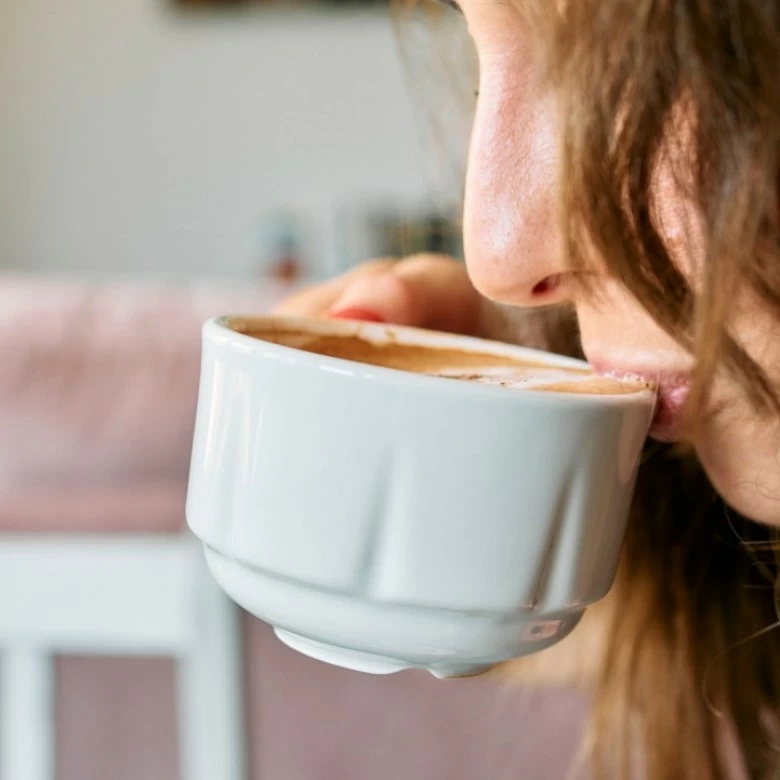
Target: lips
x=668 y=418
x=672 y=388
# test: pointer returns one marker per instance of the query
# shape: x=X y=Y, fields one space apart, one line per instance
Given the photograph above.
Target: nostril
x=547 y=285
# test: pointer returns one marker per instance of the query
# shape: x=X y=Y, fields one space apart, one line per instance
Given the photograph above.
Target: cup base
x=378 y=637
x=359 y=661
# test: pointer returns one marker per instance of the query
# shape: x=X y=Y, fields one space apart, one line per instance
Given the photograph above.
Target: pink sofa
x=97 y=393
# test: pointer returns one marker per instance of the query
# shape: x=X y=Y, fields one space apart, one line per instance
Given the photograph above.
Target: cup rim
x=220 y=327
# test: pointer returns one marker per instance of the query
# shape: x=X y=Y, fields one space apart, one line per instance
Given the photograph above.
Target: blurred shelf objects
x=234 y=5
x=289 y=243
x=283 y=256
x=397 y=229
x=399 y=234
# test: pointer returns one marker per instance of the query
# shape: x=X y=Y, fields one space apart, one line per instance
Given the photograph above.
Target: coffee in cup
x=463 y=364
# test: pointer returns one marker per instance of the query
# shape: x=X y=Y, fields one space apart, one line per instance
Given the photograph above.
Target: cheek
x=679 y=223
x=673 y=185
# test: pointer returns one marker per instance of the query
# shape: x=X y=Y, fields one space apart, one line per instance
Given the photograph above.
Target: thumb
x=427 y=291
x=379 y=298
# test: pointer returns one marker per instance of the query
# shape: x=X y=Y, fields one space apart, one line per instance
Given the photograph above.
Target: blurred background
x=163 y=161
x=224 y=140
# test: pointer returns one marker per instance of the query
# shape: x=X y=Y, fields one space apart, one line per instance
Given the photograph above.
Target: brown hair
x=692 y=654
x=692 y=661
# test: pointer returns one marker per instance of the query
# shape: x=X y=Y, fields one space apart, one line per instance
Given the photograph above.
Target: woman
x=623 y=179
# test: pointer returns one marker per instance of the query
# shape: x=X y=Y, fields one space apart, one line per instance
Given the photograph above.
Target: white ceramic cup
x=383 y=520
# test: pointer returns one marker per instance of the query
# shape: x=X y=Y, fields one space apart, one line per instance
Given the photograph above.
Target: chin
x=750 y=486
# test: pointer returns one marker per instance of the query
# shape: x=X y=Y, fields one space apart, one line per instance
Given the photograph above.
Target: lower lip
x=667 y=421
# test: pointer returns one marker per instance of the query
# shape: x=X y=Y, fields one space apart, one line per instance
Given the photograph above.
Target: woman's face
x=514 y=254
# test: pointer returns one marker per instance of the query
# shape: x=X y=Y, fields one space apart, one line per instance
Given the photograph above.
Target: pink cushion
x=146 y=508
x=98 y=385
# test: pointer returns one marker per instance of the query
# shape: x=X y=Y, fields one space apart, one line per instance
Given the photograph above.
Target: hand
x=426 y=291
x=431 y=291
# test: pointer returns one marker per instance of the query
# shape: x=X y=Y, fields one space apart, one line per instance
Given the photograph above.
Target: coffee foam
x=485 y=368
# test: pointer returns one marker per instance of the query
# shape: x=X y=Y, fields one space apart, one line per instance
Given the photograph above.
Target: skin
x=514 y=256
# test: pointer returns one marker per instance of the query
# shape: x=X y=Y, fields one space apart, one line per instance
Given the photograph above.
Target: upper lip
x=659 y=378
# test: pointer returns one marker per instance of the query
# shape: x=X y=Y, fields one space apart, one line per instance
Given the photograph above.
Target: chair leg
x=26 y=715
x=210 y=676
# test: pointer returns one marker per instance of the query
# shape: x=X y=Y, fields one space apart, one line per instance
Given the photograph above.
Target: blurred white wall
x=137 y=140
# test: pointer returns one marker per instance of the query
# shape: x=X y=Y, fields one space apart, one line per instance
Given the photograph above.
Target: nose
x=512 y=241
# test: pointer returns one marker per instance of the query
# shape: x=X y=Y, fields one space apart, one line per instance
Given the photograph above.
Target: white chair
x=122 y=594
